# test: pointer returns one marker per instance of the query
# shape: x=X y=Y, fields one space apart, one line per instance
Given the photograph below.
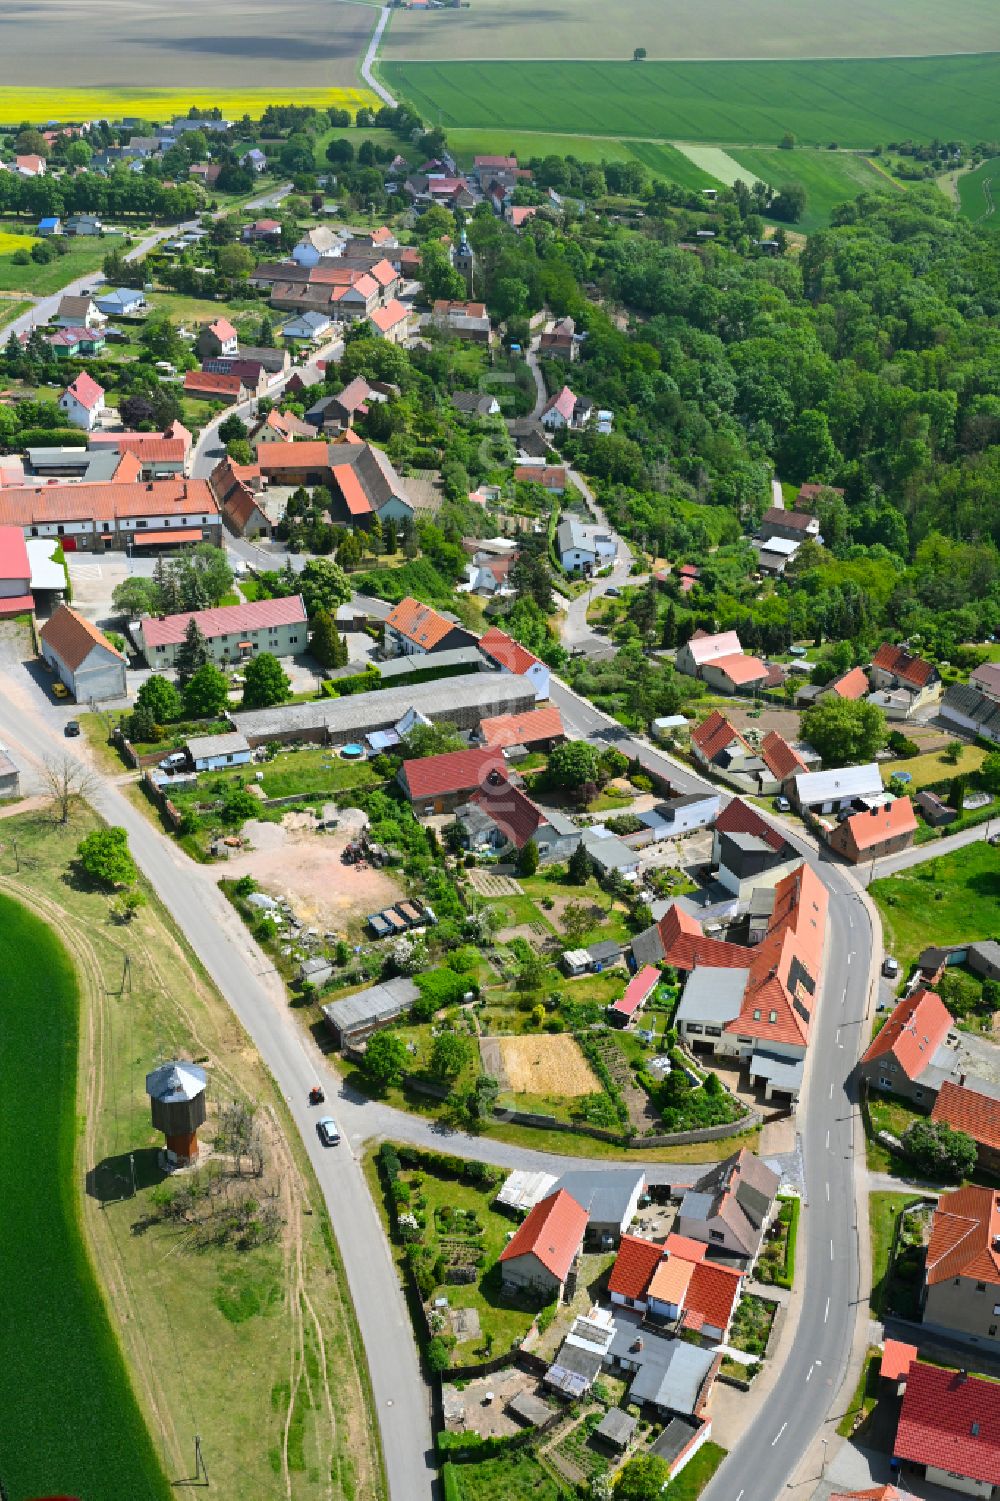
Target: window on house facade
x=716 y=1235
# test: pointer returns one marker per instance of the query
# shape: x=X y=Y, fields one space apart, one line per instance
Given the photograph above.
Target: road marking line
x=828 y=1139
x=831 y=1096
x=831 y=1250
x=778 y=1434
x=826 y=1315
x=810 y=1371
x=850 y=957
x=828 y=1193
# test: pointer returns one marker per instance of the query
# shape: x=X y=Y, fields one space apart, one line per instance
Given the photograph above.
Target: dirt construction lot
x=294 y=861
x=543 y=1065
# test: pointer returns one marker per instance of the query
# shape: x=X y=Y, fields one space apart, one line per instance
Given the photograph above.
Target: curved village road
x=830 y=1278
x=370 y=56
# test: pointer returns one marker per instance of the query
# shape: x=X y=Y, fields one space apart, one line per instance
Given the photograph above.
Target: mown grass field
x=857 y=103
x=979 y=194
x=950 y=899
x=829 y=178
x=19 y=103
x=11 y=308
x=82 y=257
x=695 y=29
x=70 y=1418
x=218 y=1341
x=661 y=157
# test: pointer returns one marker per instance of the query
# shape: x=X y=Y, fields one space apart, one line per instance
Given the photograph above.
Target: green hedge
x=793 y=1233
x=482 y=1173
x=449 y=1481
x=472 y=1446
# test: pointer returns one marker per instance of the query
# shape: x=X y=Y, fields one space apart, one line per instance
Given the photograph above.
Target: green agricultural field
x=857 y=103
x=70 y=1421
x=82 y=257
x=718 y=164
x=693 y=29
x=829 y=178
x=661 y=158
x=979 y=194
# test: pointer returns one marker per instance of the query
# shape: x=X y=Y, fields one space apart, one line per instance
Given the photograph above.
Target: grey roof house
x=609 y=1195
x=730 y=1208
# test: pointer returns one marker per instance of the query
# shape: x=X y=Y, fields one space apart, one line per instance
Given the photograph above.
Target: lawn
x=62 y=1378
x=175 y=1309
x=11 y=308
x=19 y=103
x=865 y=1394
x=661 y=158
x=82 y=257
x=857 y=103
x=183 y=309
x=829 y=178
x=948 y=899
x=512 y=1477
x=933 y=768
x=693 y=29
x=696 y=1474
x=979 y=192
x=888 y=1294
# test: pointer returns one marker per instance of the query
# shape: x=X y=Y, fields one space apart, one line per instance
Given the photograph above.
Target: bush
x=938 y=1151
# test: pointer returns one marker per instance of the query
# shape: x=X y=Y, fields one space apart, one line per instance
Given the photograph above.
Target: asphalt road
x=370 y=56
x=761 y=1464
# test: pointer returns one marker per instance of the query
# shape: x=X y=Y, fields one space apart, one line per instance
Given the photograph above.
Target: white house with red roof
x=717 y=742
x=503 y=652
x=703 y=649
x=233 y=633
x=560 y=410
x=218 y=338
x=82 y=402
x=541 y=1255
x=884 y=829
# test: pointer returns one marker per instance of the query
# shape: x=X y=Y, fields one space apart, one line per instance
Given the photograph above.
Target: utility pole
x=200 y=1468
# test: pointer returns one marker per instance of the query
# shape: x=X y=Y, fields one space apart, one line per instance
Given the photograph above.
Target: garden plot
x=718 y=163
x=494 y=886
x=543 y=1065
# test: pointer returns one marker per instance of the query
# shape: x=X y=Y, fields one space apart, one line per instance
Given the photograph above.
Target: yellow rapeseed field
x=10 y=242
x=67 y=105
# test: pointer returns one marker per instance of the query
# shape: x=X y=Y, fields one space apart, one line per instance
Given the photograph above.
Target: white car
x=329 y=1131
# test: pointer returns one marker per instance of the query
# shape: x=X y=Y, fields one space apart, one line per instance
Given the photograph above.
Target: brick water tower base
x=183 y=1150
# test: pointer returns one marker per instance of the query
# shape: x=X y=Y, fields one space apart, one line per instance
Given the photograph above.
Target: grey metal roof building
x=352 y=1019
x=457 y=660
x=838 y=785
x=712 y=995
x=607 y=1194
x=465 y=701
x=672 y=1374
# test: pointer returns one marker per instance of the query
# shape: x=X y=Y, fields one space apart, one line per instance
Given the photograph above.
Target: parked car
x=782 y=804
x=174 y=762
x=890 y=967
x=329 y=1131
x=59 y=690
x=71 y=728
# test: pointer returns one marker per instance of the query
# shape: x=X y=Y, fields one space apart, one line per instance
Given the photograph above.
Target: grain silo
x=177 y=1092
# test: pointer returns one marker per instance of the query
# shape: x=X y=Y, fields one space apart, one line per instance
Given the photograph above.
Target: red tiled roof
x=223 y=329
x=952 y=1422
x=152 y=448
x=780 y=996
x=964 y=1109
x=877 y=1493
x=389 y=316
x=809 y=492
x=511 y=810
x=552 y=1232
x=853 y=684
x=351 y=489
x=508 y=652
x=522 y=729
x=738 y=817
x=86 y=390
x=685 y=946
x=637 y=991
x=73 y=638
x=964 y=1231
x=202 y=381
x=634 y=1266
x=896 y=1359
x=563 y=402
x=455 y=771
x=913 y=1033
x=912 y=670
x=14 y=555
x=739 y=668
x=548 y=475
x=781 y=759
x=24 y=505
x=156 y=539
x=314 y=454
x=418 y=623
x=798 y=521
x=864 y=830
x=711 y=1295
x=225 y=620
x=714 y=734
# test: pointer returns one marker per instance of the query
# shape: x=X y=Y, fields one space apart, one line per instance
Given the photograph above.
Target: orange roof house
x=715 y=740
x=412 y=628
x=543 y=1250
x=535 y=727
x=633 y=1270
x=977 y=1114
x=896 y=1359
x=853 y=684
x=875 y=832
x=781 y=759
x=84 y=658
x=897 y=663
x=965 y=1234
x=906 y=1045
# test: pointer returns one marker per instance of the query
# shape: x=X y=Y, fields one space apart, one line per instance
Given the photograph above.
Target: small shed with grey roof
x=530 y=1409
x=523 y=1189
x=616 y=1429
x=209 y=752
x=609 y=1195
x=358 y=1016
x=677 y=1442
x=464 y=701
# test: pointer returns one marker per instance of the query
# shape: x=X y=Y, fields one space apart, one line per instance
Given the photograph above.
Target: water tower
x=177 y=1092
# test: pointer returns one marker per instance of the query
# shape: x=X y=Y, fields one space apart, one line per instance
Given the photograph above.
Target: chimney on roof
x=963 y=1374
